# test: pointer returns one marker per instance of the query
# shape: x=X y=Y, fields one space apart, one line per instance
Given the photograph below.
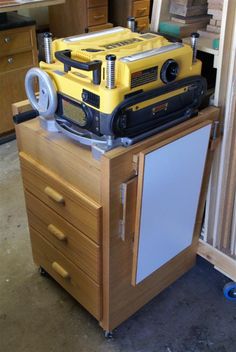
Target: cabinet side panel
x=120 y=298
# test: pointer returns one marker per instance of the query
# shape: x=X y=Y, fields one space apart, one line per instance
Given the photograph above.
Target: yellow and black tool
x=116 y=86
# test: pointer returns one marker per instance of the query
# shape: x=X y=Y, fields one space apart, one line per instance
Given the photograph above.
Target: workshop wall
x=38 y=14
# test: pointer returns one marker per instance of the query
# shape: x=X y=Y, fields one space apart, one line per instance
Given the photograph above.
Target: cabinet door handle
x=10 y=60
x=98 y=17
x=54 y=195
x=56 y=232
x=7 y=40
x=60 y=270
x=143 y=9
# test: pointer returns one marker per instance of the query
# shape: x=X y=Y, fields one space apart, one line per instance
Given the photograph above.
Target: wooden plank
x=180 y=30
x=218 y=259
x=129 y=196
x=160 y=10
x=231 y=187
x=233 y=230
x=182 y=10
x=194 y=19
x=224 y=82
x=21 y=106
x=221 y=170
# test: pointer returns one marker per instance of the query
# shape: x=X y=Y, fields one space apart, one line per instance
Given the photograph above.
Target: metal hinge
x=122 y=194
x=215 y=127
x=135 y=163
x=215 y=135
x=122 y=229
x=121 y=221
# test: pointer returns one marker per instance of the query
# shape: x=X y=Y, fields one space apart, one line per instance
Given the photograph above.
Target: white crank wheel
x=46 y=103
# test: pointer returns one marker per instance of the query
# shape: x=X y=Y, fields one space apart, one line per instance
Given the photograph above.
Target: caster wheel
x=230 y=291
x=108 y=334
x=43 y=272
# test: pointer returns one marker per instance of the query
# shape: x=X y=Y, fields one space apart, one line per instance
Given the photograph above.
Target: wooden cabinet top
x=14 y=5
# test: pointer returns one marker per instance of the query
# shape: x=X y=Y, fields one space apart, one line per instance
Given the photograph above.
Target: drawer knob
x=142 y=10
x=54 y=195
x=10 y=60
x=56 y=232
x=7 y=40
x=60 y=270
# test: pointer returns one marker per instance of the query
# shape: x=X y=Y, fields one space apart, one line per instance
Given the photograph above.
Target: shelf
x=15 y=5
x=204 y=44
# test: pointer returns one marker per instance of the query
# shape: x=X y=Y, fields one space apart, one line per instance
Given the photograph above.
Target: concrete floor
x=36 y=315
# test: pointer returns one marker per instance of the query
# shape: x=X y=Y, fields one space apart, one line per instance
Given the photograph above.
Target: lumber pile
x=187 y=16
x=215 y=9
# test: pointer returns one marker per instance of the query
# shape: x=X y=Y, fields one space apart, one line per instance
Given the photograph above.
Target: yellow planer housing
x=117 y=83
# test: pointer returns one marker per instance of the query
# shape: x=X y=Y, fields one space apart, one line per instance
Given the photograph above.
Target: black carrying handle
x=64 y=56
x=25 y=116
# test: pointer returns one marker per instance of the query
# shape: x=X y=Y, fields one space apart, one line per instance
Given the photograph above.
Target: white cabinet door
x=169 y=184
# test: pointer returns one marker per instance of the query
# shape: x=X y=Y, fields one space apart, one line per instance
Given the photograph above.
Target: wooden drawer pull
x=142 y=10
x=56 y=232
x=60 y=270
x=10 y=60
x=98 y=17
x=7 y=40
x=54 y=195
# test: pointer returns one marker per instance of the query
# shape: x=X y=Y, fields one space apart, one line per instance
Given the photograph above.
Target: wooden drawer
x=15 y=40
x=141 y=8
x=96 y=3
x=16 y=61
x=63 y=198
x=142 y=23
x=100 y=27
x=74 y=280
x=71 y=242
x=97 y=15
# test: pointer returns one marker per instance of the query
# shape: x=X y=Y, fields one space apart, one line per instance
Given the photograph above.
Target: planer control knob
x=169 y=71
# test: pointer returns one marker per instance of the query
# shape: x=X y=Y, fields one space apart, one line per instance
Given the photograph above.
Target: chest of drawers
x=78 y=16
x=84 y=216
x=18 y=53
x=120 y=10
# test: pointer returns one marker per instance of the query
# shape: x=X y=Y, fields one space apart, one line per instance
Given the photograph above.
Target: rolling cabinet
x=78 y=16
x=120 y=10
x=115 y=232
x=18 y=53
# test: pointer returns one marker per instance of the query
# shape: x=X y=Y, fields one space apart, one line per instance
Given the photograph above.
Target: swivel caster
x=108 y=334
x=43 y=272
x=230 y=291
